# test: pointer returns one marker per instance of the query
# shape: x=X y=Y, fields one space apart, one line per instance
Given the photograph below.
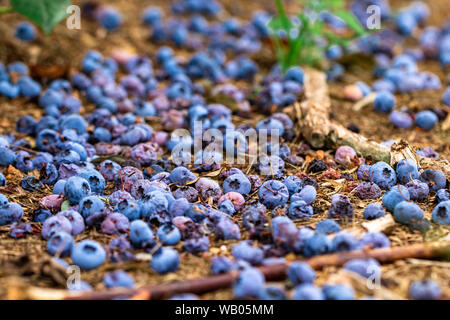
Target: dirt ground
x=25 y=261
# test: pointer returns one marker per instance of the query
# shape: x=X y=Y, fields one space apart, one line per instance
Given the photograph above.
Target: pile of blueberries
x=149 y=203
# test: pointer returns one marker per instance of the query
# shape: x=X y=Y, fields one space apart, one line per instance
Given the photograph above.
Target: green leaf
x=280 y=23
x=351 y=21
x=45 y=13
x=65 y=205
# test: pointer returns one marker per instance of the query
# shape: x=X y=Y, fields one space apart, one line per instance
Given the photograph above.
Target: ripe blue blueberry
x=294 y=74
x=181 y=176
x=375 y=240
x=60 y=244
x=293 y=184
x=76 y=188
x=221 y=264
x=328 y=226
x=426 y=120
x=88 y=254
x=383 y=175
x=300 y=209
x=25 y=31
x=384 y=101
x=249 y=284
x=424 y=290
x=165 y=260
x=168 y=234
x=300 y=273
x=364 y=267
x=344 y=241
x=90 y=205
x=307 y=291
x=95 y=179
x=237 y=183
x=406 y=170
x=317 y=244
x=2 y=180
x=374 y=211
x=244 y=250
x=307 y=193
x=338 y=292
x=407 y=212
x=401 y=119
x=109 y=18
x=394 y=196
x=442 y=195
x=441 y=213
x=434 y=178
x=141 y=235
x=10 y=212
x=196 y=245
x=273 y=193
x=118 y=278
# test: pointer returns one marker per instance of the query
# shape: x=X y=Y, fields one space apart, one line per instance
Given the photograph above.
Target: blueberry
x=364 y=267
x=401 y=119
x=6 y=156
x=2 y=180
x=60 y=244
x=293 y=184
x=109 y=18
x=221 y=264
x=441 y=213
x=383 y=175
x=181 y=176
x=307 y=291
x=384 y=101
x=301 y=273
x=95 y=179
x=424 y=290
x=407 y=212
x=10 y=212
x=208 y=188
x=307 y=193
x=300 y=209
x=55 y=224
x=196 y=245
x=151 y=16
x=273 y=193
x=368 y=190
x=75 y=219
x=375 y=240
x=109 y=169
x=227 y=207
x=26 y=124
x=273 y=293
x=141 y=235
x=328 y=226
x=345 y=155
x=49 y=174
x=237 y=183
x=116 y=224
x=227 y=229
x=270 y=126
x=406 y=171
x=442 y=195
x=3 y=200
x=89 y=205
x=245 y=251
x=338 y=292
x=394 y=196
x=166 y=260
x=40 y=215
x=128 y=208
x=249 y=284
x=344 y=241
x=30 y=183
x=426 y=120
x=168 y=234
x=294 y=74
x=317 y=244
x=340 y=207
x=446 y=97
x=374 y=211
x=25 y=31
x=434 y=178
x=118 y=278
x=418 y=190
x=88 y=254
x=76 y=188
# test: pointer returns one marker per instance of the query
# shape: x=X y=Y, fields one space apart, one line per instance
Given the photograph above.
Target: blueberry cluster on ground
x=95 y=178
